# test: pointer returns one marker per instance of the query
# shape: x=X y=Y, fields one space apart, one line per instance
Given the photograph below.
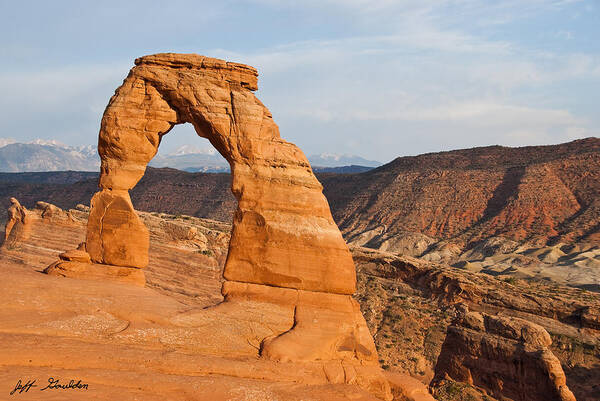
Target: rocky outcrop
x=17 y=227
x=175 y=338
x=49 y=211
x=115 y=235
x=508 y=357
x=408 y=304
x=285 y=249
x=77 y=263
x=480 y=291
x=406 y=388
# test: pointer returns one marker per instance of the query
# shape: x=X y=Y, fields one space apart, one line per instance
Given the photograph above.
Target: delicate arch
x=283 y=233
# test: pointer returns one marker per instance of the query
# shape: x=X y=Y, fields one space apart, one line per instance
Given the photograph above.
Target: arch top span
x=283 y=232
x=242 y=74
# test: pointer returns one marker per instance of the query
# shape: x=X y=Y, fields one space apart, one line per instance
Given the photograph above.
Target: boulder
x=75 y=255
x=95 y=271
x=507 y=357
x=49 y=211
x=406 y=388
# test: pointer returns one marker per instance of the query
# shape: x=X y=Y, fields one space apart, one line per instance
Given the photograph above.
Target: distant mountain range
x=46 y=156
x=333 y=160
x=192 y=159
x=197 y=160
x=42 y=155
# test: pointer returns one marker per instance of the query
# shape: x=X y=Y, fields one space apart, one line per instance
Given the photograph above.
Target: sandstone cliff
x=409 y=303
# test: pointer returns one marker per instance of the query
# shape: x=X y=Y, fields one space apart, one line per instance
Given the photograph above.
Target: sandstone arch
x=283 y=232
x=285 y=248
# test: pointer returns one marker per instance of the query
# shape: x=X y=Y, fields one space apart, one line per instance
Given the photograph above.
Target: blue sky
x=377 y=78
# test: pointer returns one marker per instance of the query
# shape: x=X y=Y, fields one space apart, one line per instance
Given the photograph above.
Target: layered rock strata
x=508 y=357
x=285 y=248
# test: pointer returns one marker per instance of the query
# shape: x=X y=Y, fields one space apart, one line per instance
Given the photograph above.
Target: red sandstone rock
x=406 y=388
x=115 y=234
x=285 y=251
x=95 y=271
x=50 y=211
x=76 y=255
x=17 y=223
x=283 y=233
x=507 y=356
x=324 y=326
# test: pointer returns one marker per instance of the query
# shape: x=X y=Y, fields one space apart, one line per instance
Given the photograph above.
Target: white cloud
x=426 y=63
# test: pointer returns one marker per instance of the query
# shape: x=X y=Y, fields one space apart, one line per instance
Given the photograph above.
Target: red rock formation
x=279 y=200
x=406 y=388
x=406 y=303
x=285 y=248
x=509 y=357
x=17 y=223
x=116 y=236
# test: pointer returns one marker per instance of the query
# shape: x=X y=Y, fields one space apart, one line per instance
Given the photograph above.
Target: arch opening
x=183 y=149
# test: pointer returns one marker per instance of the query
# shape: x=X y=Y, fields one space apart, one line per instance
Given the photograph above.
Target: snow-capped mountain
x=192 y=150
x=193 y=159
x=46 y=155
x=336 y=160
x=52 y=155
x=6 y=141
x=39 y=141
